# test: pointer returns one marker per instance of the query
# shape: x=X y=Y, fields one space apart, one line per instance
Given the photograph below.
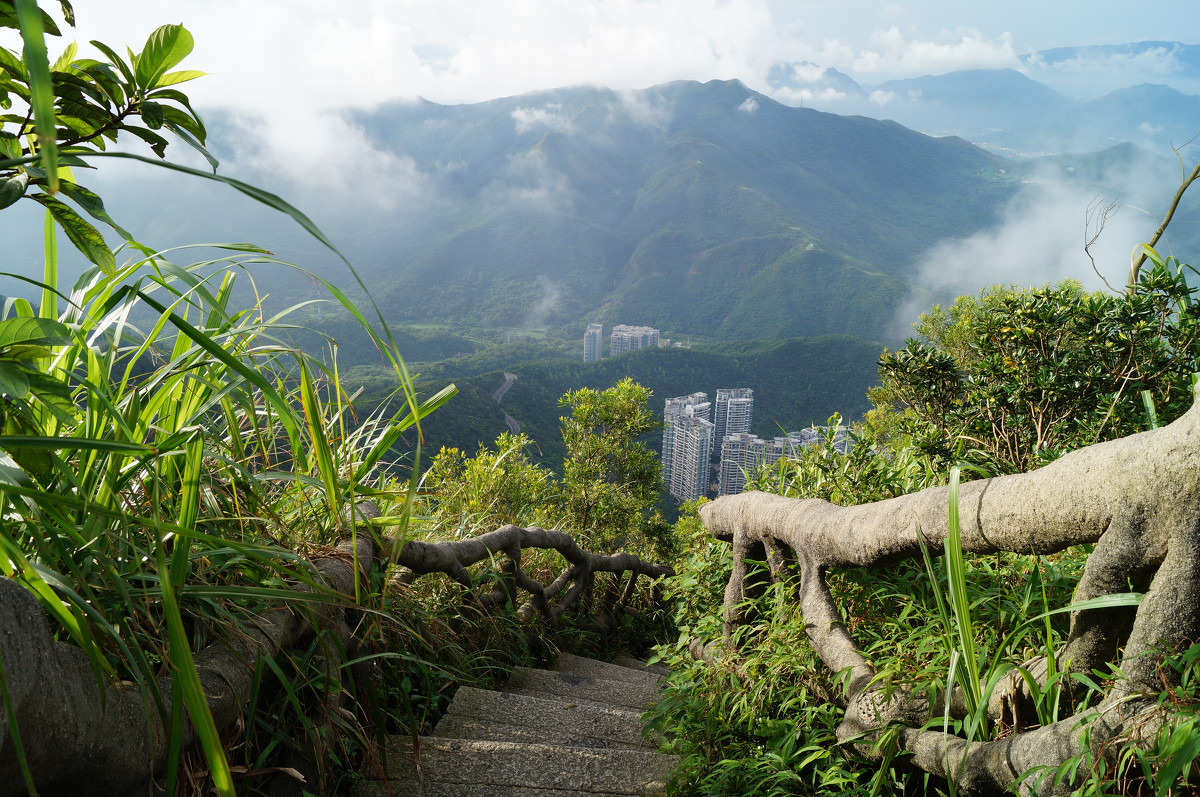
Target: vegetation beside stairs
x=576 y=729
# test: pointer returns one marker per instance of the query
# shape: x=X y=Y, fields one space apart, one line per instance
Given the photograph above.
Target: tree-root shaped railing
x=453 y=559
x=1137 y=499
x=81 y=739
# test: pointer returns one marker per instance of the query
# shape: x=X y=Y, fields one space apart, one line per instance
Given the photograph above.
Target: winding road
x=513 y=426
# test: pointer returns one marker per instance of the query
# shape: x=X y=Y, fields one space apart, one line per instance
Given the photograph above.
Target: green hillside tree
x=610 y=478
x=494 y=487
x=1015 y=378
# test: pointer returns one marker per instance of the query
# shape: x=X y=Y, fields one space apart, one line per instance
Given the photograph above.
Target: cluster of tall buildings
x=624 y=338
x=695 y=433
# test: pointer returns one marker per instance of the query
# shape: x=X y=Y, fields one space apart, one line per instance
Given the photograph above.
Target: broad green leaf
x=165 y=48
x=34 y=55
x=156 y=142
x=115 y=60
x=10 y=147
x=93 y=205
x=152 y=114
x=13 y=381
x=196 y=125
x=68 y=12
x=187 y=137
x=64 y=61
x=38 y=332
x=173 y=78
x=13 y=189
x=12 y=66
x=87 y=239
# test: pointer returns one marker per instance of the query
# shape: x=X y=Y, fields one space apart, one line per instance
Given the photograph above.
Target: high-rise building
x=743 y=453
x=592 y=342
x=734 y=408
x=627 y=338
x=688 y=436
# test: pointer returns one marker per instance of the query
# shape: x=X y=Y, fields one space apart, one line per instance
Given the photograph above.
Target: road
x=513 y=426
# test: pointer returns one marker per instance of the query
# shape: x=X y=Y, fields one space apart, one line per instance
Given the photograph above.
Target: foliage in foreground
x=610 y=478
x=167 y=459
x=1006 y=381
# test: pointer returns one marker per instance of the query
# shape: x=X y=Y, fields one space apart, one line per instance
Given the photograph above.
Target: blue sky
x=285 y=71
x=360 y=52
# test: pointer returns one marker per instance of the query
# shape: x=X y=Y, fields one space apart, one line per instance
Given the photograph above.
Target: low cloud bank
x=1041 y=233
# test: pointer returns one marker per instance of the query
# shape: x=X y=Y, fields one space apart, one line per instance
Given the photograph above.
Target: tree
x=490 y=489
x=610 y=478
x=75 y=107
x=610 y=482
x=1015 y=378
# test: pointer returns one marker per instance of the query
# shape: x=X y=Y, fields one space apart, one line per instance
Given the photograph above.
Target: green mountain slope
x=702 y=209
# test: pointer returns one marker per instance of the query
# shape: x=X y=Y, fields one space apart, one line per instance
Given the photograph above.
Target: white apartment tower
x=734 y=408
x=592 y=341
x=688 y=436
x=627 y=338
x=744 y=453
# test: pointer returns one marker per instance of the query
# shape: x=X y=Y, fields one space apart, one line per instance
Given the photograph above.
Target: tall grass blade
x=319 y=441
x=37 y=62
x=960 y=603
x=183 y=670
x=1151 y=415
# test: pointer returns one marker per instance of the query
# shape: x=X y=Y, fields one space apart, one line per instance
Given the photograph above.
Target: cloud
x=640 y=108
x=893 y=53
x=531 y=182
x=749 y=105
x=516 y=46
x=549 y=117
x=1040 y=235
x=882 y=98
x=793 y=96
x=808 y=73
x=548 y=299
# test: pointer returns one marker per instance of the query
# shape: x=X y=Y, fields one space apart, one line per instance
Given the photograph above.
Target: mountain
x=971 y=101
x=1155 y=117
x=702 y=209
x=1091 y=70
x=1068 y=99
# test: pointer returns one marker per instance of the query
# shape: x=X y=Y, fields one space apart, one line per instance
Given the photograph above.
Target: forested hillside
x=796 y=382
x=703 y=209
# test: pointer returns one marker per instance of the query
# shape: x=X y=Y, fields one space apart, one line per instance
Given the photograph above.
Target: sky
x=285 y=70
x=361 y=52
x=282 y=73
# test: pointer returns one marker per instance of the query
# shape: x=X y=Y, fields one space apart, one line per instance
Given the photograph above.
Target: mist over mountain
x=1071 y=99
x=703 y=209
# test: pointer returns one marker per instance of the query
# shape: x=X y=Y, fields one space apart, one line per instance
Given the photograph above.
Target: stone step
x=638 y=664
x=464 y=768
x=578 y=665
x=499 y=716
x=582 y=688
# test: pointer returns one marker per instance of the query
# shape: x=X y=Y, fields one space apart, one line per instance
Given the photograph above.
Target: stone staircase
x=549 y=733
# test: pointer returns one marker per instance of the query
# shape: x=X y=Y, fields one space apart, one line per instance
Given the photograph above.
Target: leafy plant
x=1014 y=378
x=166 y=455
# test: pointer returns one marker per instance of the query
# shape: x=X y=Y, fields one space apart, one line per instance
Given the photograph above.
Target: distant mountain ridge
x=704 y=209
x=1014 y=112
